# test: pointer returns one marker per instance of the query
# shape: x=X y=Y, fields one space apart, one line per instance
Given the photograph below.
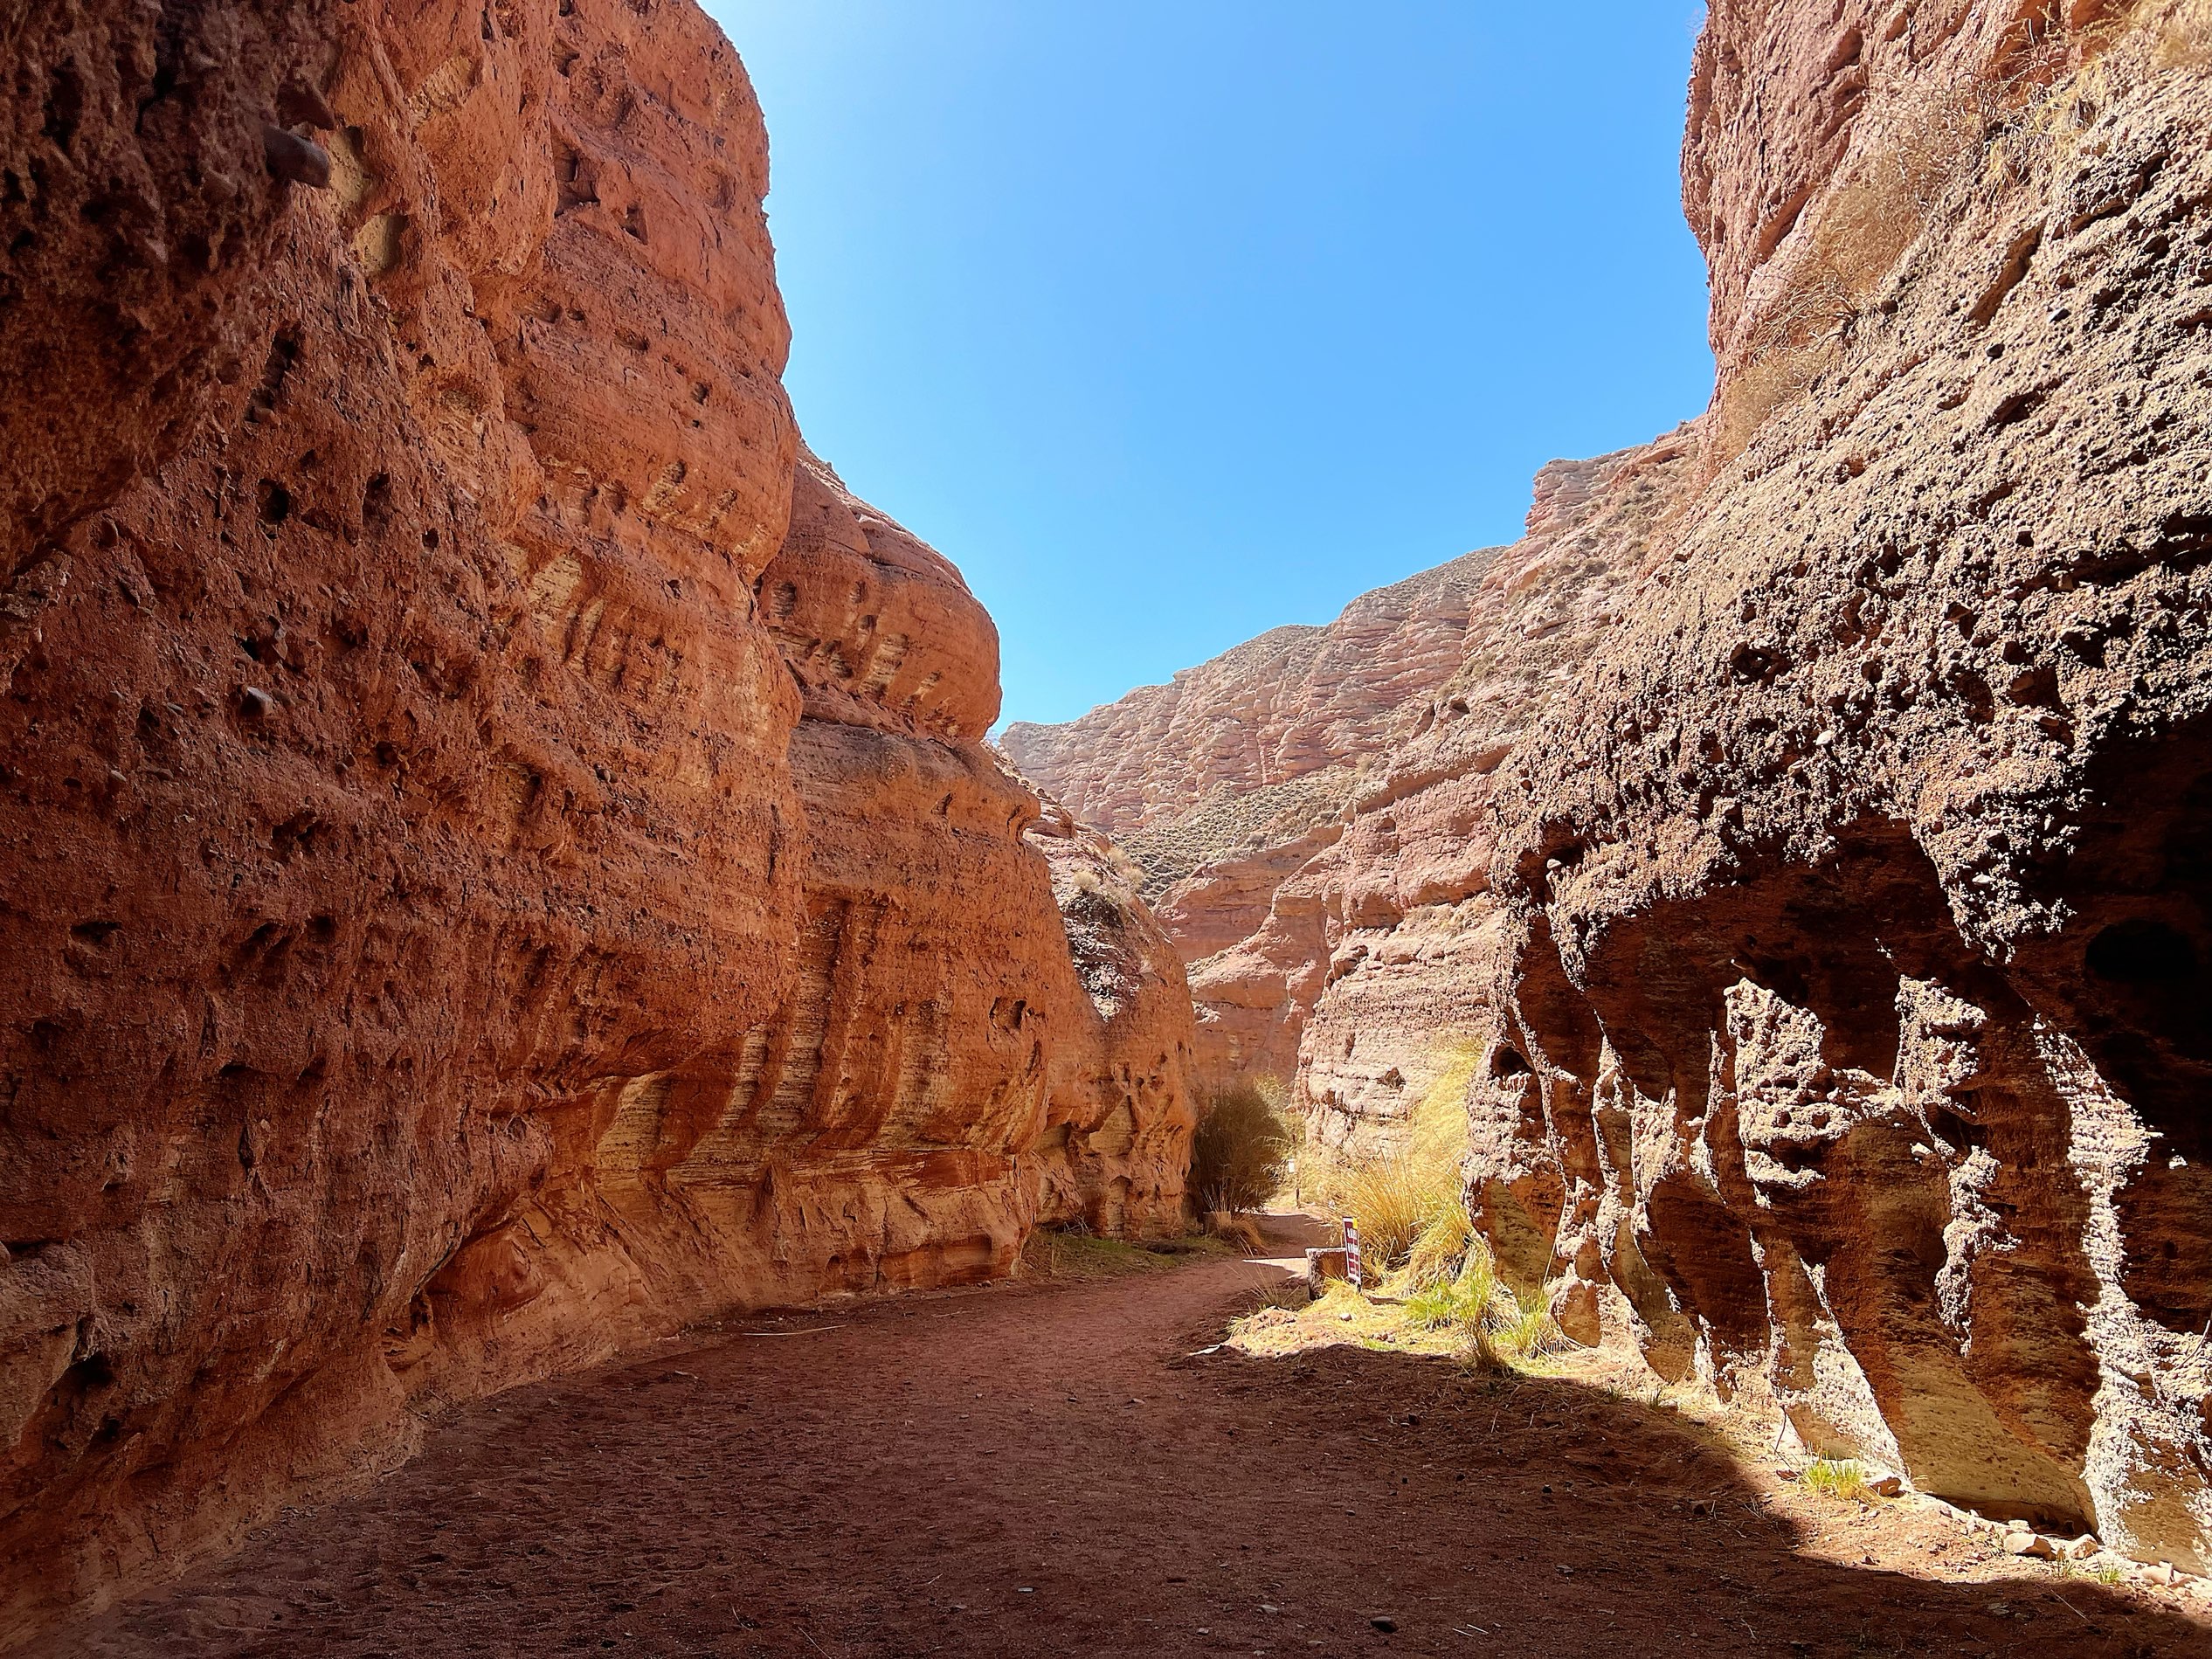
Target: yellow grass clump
x=1409 y=1204
x=1837 y=1477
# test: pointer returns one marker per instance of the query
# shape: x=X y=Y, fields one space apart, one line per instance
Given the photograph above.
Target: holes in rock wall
x=2142 y=951
x=2129 y=972
x=65 y=106
x=576 y=180
x=2011 y=272
x=381 y=244
x=1752 y=664
x=284 y=351
x=1973 y=690
x=293 y=837
x=88 y=1375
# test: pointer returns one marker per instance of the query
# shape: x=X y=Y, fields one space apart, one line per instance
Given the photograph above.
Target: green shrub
x=1242 y=1150
x=1503 y=1330
x=1469 y=1302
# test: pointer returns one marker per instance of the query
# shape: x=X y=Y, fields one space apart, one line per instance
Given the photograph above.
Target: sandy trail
x=1046 y=1470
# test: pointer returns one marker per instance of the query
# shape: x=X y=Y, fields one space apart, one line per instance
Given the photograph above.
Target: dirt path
x=1044 y=1471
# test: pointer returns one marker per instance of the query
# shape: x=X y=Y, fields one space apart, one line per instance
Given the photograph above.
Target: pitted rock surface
x=1855 y=904
x=1802 y=880
x=485 y=885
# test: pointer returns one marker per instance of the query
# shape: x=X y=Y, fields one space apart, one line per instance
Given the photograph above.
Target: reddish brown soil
x=1051 y=1471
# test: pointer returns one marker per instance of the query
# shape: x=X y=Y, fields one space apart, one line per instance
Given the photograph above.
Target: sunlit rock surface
x=498 y=855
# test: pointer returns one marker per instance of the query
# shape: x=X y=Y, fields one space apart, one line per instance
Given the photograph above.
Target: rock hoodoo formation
x=500 y=855
x=1816 y=872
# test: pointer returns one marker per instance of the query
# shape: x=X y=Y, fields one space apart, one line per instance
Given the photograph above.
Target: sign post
x=1352 y=1253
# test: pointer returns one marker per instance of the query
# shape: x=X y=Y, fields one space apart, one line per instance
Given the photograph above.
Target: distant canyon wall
x=1807 y=857
x=500 y=855
x=1224 y=783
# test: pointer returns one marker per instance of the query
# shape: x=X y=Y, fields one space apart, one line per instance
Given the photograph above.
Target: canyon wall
x=1851 y=1028
x=1291 y=703
x=1802 y=880
x=500 y=855
x=1225 y=782
x=1386 y=943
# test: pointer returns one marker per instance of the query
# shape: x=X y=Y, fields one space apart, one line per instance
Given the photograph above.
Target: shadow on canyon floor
x=1055 y=1471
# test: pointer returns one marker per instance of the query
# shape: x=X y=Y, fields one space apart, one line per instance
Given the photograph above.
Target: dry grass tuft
x=2184 y=37
x=1471 y=1318
x=1774 y=379
x=1240 y=1233
x=1410 y=1206
x=1841 y=1478
x=1417 y=1240
x=1528 y=1335
x=1243 y=1146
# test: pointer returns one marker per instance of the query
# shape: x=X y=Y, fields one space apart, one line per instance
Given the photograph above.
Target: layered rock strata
x=1006 y=1021
x=1384 y=945
x=479 y=892
x=1226 y=781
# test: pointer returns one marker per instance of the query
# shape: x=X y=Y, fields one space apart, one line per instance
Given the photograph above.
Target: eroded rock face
x=1802 y=880
x=479 y=893
x=1269 y=903
x=1116 y=1140
x=1399 y=917
x=1226 y=782
x=961 y=1017
x=1856 y=1041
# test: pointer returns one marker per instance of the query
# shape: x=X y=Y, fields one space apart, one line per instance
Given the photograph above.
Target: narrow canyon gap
x=501 y=861
x=1791 y=856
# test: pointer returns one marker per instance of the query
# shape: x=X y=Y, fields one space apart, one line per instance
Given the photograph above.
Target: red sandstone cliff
x=1836 y=975
x=1381 y=942
x=1821 y=906
x=1850 y=1034
x=1224 y=783
x=1291 y=703
x=477 y=892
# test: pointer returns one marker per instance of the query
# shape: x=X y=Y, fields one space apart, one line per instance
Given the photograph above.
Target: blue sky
x=1173 y=320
